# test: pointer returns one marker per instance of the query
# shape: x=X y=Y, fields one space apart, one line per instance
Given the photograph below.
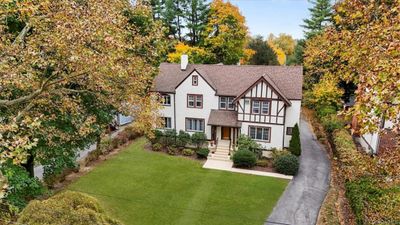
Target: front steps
x=222 y=151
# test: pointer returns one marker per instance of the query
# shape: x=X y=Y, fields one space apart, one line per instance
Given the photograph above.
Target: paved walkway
x=302 y=199
x=228 y=166
x=82 y=154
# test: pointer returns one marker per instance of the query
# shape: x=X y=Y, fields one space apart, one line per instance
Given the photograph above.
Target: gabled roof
x=232 y=80
x=224 y=118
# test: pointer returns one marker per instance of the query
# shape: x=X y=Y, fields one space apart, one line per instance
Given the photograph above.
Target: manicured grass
x=142 y=187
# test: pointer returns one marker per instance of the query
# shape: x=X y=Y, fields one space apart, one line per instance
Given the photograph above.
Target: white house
x=224 y=101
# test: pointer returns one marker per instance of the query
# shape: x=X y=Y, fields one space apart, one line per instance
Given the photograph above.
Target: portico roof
x=224 y=118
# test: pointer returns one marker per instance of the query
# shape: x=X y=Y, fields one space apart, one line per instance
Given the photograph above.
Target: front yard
x=143 y=187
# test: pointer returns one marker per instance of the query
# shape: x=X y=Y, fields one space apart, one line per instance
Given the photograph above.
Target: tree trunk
x=30 y=165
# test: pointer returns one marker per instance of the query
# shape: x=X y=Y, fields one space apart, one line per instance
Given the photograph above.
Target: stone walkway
x=302 y=199
x=228 y=166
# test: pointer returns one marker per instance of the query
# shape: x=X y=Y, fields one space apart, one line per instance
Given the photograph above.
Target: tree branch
x=21 y=36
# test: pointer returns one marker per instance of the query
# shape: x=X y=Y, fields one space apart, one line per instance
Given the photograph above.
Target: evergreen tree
x=321 y=16
x=195 y=13
x=264 y=55
x=297 y=57
x=172 y=15
x=158 y=8
x=295 y=145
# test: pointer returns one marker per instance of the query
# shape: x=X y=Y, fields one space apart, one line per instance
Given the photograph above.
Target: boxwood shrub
x=187 y=152
x=287 y=164
x=244 y=158
x=202 y=153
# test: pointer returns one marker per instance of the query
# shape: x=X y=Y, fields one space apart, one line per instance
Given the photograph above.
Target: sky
x=274 y=16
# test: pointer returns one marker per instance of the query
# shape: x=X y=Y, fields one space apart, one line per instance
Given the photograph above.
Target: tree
x=321 y=17
x=158 y=8
x=295 y=144
x=60 y=83
x=195 y=14
x=284 y=42
x=173 y=17
x=372 y=64
x=264 y=54
x=297 y=57
x=225 y=33
x=280 y=54
x=196 y=54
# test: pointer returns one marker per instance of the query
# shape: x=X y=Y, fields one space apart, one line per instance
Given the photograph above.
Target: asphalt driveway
x=302 y=199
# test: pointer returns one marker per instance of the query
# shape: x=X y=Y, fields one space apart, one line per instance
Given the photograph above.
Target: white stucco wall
x=276 y=134
x=292 y=117
x=371 y=140
x=168 y=111
x=210 y=101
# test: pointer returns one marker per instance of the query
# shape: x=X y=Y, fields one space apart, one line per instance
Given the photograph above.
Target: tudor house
x=224 y=101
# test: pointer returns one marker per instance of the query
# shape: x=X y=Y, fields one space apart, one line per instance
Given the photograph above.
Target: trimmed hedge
x=202 y=153
x=187 y=152
x=66 y=208
x=287 y=164
x=244 y=158
x=295 y=144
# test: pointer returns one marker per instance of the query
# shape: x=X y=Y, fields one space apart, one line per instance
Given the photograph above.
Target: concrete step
x=221 y=154
x=218 y=157
x=221 y=147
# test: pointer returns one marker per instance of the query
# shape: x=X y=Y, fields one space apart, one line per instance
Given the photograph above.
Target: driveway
x=302 y=199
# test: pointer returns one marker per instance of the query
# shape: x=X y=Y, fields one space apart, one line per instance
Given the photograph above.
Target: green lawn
x=142 y=187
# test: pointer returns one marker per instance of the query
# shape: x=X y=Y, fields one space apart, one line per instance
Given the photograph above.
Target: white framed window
x=167 y=122
x=289 y=130
x=255 y=109
x=195 y=80
x=222 y=102
x=226 y=103
x=260 y=133
x=194 y=101
x=166 y=100
x=193 y=124
x=265 y=107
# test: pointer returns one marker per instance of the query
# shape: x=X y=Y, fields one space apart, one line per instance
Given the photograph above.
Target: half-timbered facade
x=223 y=101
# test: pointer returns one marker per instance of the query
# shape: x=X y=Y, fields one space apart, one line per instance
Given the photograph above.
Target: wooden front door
x=226 y=133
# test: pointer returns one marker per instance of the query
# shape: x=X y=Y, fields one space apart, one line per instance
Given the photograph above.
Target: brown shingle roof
x=231 y=80
x=223 y=118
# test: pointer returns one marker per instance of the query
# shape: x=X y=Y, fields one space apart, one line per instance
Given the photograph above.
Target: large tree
x=173 y=17
x=64 y=66
x=362 y=48
x=226 y=32
x=195 y=13
x=297 y=57
x=264 y=54
x=321 y=17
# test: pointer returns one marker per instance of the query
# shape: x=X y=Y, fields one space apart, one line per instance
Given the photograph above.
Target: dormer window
x=195 y=80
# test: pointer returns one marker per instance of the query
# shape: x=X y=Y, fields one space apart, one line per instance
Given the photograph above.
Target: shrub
x=106 y=145
x=202 y=153
x=277 y=153
x=156 y=147
x=263 y=163
x=66 y=208
x=172 y=150
x=295 y=144
x=156 y=138
x=287 y=164
x=332 y=123
x=122 y=137
x=170 y=137
x=199 y=139
x=131 y=133
x=188 y=152
x=115 y=143
x=323 y=111
x=183 y=139
x=21 y=187
x=246 y=143
x=244 y=158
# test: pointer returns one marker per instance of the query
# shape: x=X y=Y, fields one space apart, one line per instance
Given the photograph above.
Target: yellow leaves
x=196 y=54
x=279 y=53
x=248 y=54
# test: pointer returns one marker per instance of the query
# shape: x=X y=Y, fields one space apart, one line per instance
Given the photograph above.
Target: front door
x=226 y=133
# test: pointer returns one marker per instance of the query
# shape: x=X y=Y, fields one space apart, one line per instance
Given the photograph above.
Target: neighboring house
x=376 y=143
x=224 y=101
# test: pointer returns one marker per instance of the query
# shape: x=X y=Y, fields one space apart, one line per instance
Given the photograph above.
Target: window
x=195 y=101
x=256 y=107
x=194 y=124
x=167 y=123
x=166 y=100
x=289 y=130
x=226 y=103
x=260 y=133
x=265 y=107
x=195 y=80
x=262 y=107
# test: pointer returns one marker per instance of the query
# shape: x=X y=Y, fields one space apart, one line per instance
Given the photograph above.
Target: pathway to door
x=302 y=199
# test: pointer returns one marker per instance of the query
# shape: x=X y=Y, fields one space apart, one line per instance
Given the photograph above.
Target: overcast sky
x=274 y=16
